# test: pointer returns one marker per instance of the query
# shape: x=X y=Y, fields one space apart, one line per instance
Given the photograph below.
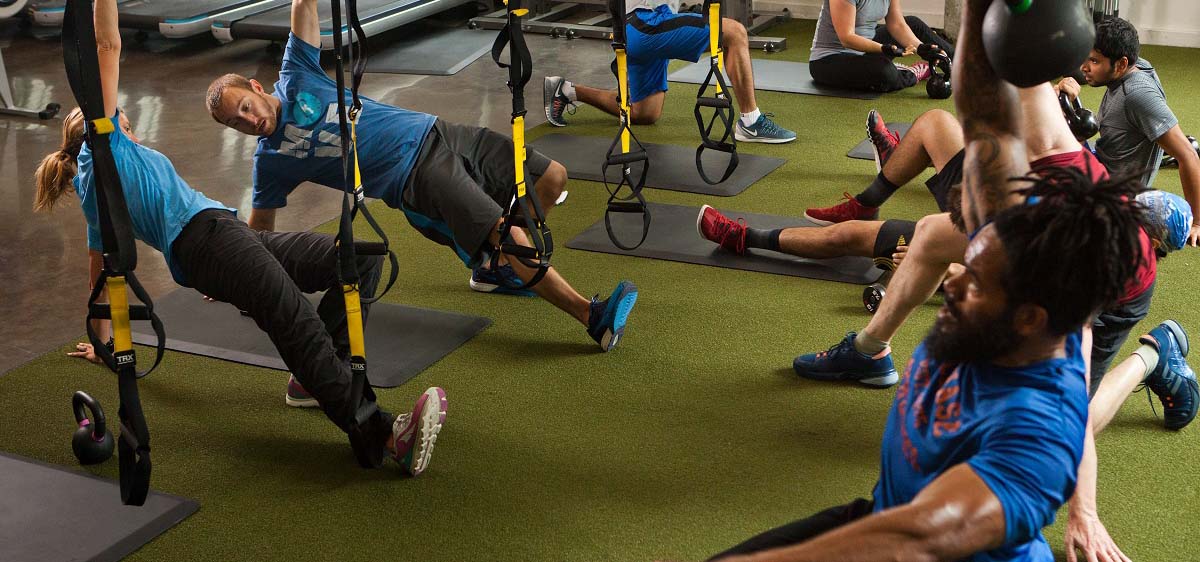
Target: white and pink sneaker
x=415 y=434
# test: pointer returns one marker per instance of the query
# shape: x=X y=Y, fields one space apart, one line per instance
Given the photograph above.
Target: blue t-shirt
x=160 y=202
x=306 y=145
x=1021 y=430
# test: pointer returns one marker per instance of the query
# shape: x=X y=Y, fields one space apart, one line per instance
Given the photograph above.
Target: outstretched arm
x=955 y=516
x=991 y=117
x=108 y=50
x=306 y=23
x=1178 y=146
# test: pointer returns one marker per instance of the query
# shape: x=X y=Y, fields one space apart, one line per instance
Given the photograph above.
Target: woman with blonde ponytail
x=264 y=273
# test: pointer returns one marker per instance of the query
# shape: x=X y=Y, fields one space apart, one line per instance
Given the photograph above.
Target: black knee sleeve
x=893 y=233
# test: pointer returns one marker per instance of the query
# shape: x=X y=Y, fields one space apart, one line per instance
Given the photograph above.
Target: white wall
x=1159 y=22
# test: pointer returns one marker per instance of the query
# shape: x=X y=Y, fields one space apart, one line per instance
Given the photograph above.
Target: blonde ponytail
x=54 y=175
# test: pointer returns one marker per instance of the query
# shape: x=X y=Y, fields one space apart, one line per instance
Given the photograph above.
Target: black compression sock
x=762 y=238
x=878 y=192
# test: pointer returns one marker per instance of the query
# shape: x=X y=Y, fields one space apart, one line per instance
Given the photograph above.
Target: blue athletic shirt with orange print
x=1020 y=429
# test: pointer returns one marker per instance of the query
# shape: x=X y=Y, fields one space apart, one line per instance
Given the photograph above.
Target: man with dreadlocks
x=988 y=427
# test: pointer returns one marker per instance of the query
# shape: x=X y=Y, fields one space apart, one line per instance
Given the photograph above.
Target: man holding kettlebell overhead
x=1136 y=124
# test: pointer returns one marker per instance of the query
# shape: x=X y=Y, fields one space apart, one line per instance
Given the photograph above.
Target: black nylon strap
x=523 y=211
x=635 y=202
x=120 y=254
x=721 y=103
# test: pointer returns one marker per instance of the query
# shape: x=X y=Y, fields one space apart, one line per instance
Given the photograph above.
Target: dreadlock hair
x=1074 y=251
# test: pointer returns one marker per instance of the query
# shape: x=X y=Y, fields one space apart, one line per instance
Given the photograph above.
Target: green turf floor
x=689 y=437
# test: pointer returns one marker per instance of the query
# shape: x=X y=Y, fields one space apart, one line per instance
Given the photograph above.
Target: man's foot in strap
x=414 y=435
x=843 y=362
x=557 y=102
x=297 y=397
x=1172 y=379
x=500 y=280
x=848 y=210
x=764 y=129
x=883 y=140
x=719 y=229
x=606 y=320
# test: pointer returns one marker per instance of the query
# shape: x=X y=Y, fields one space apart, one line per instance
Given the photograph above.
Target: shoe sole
x=699 y=219
x=548 y=101
x=817 y=221
x=884 y=380
x=737 y=135
x=874 y=149
x=430 y=413
x=300 y=402
x=624 y=306
x=481 y=287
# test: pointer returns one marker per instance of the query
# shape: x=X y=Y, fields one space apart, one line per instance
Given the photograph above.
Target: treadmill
x=185 y=18
x=377 y=16
x=49 y=13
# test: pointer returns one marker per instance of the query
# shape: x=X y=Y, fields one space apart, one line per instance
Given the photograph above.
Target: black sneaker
x=556 y=101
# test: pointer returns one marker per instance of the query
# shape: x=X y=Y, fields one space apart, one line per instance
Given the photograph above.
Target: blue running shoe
x=1172 y=379
x=606 y=322
x=499 y=281
x=763 y=130
x=843 y=362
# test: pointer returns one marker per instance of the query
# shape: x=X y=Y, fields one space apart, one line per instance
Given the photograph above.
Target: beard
x=959 y=340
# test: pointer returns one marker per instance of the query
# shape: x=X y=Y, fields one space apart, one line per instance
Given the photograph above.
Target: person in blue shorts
x=656 y=33
x=452 y=182
x=983 y=441
x=265 y=274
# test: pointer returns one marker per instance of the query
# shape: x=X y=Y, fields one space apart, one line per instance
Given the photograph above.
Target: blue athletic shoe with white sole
x=606 y=323
x=763 y=130
x=1172 y=379
x=843 y=362
x=499 y=281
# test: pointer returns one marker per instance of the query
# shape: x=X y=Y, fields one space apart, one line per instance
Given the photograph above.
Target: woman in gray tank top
x=851 y=50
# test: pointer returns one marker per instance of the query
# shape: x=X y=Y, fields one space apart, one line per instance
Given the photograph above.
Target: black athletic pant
x=803 y=530
x=1110 y=330
x=266 y=274
x=873 y=72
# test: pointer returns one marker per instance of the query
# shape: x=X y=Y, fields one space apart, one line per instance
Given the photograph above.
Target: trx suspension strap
x=368 y=449
x=525 y=208
x=120 y=255
x=619 y=152
x=721 y=101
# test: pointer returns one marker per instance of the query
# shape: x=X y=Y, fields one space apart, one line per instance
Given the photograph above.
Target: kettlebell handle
x=83 y=401
x=1069 y=106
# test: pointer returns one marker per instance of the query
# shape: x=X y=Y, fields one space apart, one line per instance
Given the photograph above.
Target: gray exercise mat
x=402 y=340
x=671 y=167
x=776 y=76
x=673 y=237
x=863 y=150
x=441 y=52
x=48 y=512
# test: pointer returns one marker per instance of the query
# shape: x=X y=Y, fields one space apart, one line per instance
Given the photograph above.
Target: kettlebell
x=1082 y=122
x=873 y=296
x=92 y=442
x=938 y=84
x=1169 y=161
x=1030 y=42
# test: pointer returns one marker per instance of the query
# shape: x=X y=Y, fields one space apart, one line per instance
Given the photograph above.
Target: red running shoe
x=883 y=140
x=848 y=210
x=715 y=227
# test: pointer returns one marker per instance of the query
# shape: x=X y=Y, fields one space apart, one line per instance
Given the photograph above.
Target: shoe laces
x=561 y=106
x=768 y=125
x=726 y=229
x=833 y=349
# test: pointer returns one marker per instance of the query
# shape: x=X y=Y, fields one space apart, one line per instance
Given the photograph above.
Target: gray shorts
x=461 y=184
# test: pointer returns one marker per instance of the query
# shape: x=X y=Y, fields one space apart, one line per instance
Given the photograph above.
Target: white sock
x=749 y=118
x=868 y=345
x=568 y=89
x=1149 y=355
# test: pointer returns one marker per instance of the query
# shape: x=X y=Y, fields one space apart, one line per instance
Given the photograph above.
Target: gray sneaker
x=763 y=130
x=556 y=101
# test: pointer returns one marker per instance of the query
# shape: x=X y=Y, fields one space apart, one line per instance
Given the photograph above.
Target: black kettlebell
x=1030 y=42
x=92 y=442
x=1081 y=120
x=938 y=84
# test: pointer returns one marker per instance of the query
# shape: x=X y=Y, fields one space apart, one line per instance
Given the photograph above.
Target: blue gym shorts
x=653 y=39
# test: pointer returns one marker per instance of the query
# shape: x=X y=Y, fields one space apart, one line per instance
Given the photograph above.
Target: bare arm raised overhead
x=108 y=50
x=306 y=23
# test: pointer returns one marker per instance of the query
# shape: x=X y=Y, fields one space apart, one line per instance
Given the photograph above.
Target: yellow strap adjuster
x=103 y=126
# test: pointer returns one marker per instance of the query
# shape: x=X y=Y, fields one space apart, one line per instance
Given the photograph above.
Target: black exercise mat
x=48 y=512
x=776 y=76
x=863 y=150
x=402 y=341
x=671 y=167
x=438 y=52
x=673 y=237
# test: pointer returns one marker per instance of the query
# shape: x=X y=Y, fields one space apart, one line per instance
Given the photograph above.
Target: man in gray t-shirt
x=1136 y=125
